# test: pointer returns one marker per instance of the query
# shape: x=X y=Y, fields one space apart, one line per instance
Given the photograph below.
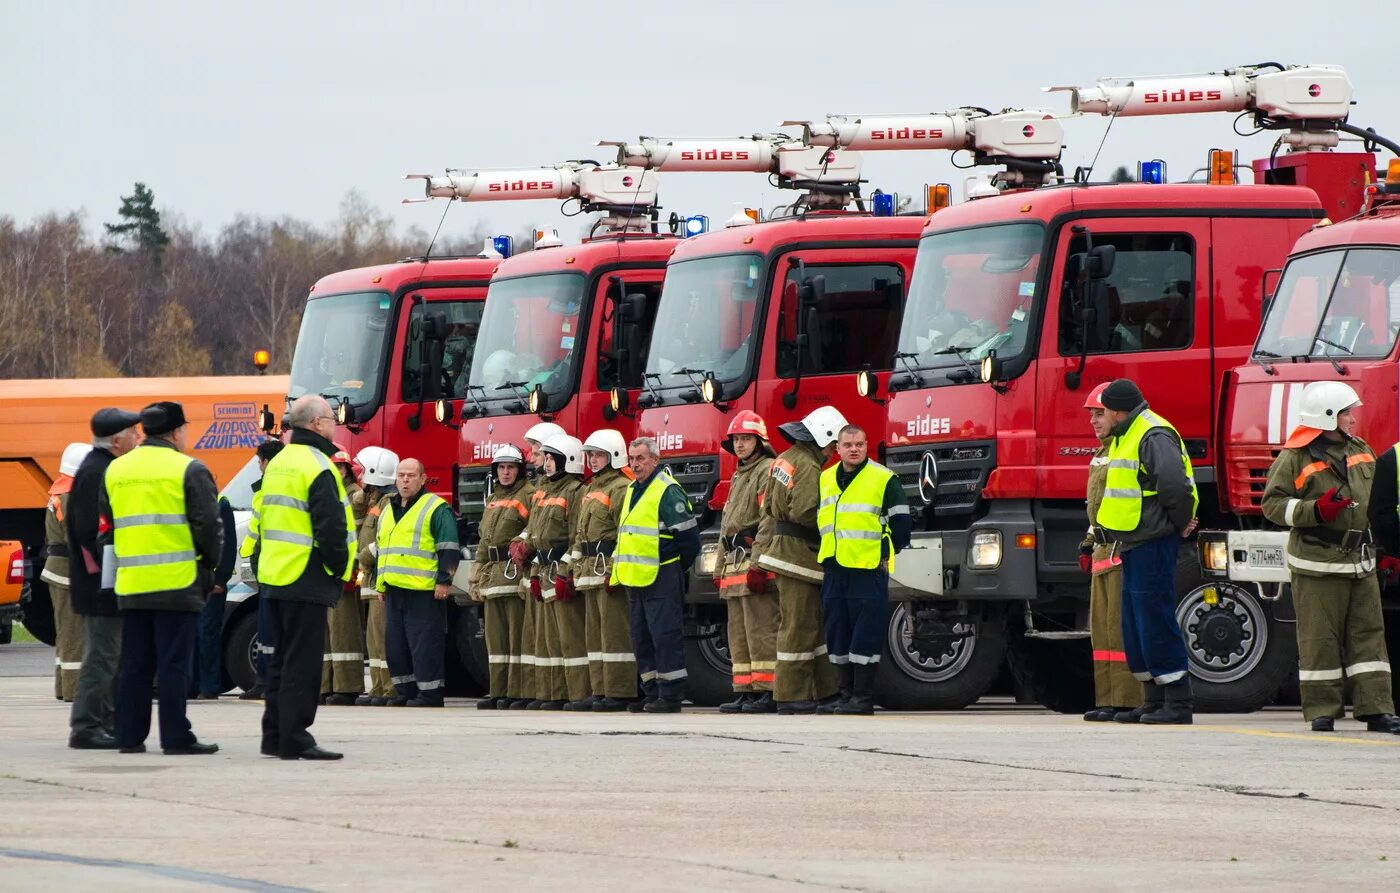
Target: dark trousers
x=855 y=613
x=415 y=630
x=658 y=638
x=209 y=646
x=94 y=704
x=265 y=644
x=293 y=676
x=155 y=644
x=1151 y=636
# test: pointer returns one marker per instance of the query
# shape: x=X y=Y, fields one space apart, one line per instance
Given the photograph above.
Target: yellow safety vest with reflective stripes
x=407 y=553
x=150 y=531
x=250 y=539
x=284 y=516
x=1121 y=508
x=637 y=559
x=852 y=522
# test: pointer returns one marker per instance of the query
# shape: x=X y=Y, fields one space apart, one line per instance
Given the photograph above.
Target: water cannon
x=1027 y=142
x=1311 y=102
x=626 y=194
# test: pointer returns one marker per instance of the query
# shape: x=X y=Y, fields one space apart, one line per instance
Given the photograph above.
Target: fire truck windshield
x=972 y=293
x=1339 y=303
x=340 y=349
x=527 y=337
x=705 y=320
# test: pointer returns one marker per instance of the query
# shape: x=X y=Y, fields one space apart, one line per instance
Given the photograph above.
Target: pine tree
x=140 y=227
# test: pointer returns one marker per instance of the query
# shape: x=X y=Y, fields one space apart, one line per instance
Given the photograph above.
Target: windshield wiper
x=1258 y=357
x=905 y=357
x=1341 y=370
x=958 y=351
x=478 y=409
x=655 y=396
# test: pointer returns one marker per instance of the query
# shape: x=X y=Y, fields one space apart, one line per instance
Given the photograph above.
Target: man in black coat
x=114 y=433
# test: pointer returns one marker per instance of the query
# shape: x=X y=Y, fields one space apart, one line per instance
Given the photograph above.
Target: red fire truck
x=775 y=316
x=1048 y=293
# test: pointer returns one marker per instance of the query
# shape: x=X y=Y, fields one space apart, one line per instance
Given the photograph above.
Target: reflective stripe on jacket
x=151 y=533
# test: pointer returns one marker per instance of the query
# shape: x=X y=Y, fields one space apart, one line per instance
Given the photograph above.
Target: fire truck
x=774 y=316
x=1021 y=304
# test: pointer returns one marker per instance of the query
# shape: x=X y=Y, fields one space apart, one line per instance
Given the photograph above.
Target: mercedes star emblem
x=928 y=478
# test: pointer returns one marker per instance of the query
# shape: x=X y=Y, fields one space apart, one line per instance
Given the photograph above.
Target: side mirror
x=633 y=310
x=619 y=402
x=345 y=413
x=443 y=410
x=435 y=326
x=266 y=421
x=812 y=290
x=1100 y=261
x=1268 y=286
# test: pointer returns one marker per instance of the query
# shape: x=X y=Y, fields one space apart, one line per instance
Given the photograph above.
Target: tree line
x=156 y=296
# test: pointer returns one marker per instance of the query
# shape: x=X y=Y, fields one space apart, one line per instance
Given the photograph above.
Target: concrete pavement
x=983 y=799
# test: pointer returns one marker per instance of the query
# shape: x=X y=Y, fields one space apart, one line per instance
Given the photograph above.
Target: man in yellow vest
x=1148 y=507
x=863 y=519
x=417 y=554
x=162 y=541
x=657 y=542
x=303 y=558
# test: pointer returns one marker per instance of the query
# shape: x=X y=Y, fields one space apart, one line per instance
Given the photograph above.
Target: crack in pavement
x=173 y=872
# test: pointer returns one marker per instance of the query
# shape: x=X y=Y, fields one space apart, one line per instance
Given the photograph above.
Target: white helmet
x=567 y=448
x=611 y=442
x=495 y=370
x=821 y=426
x=73 y=456
x=506 y=453
x=542 y=432
x=1323 y=401
x=380 y=466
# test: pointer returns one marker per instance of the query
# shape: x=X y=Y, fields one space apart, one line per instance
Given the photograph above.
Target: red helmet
x=342 y=457
x=1095 y=398
x=745 y=422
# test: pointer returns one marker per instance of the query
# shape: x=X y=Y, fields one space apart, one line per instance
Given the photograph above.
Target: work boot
x=324 y=696
x=1153 y=699
x=98 y=741
x=487 y=703
x=609 y=705
x=253 y=694
x=364 y=701
x=862 y=699
x=1101 y=714
x=1382 y=722
x=845 y=675
x=552 y=705
x=637 y=705
x=663 y=705
x=379 y=702
x=424 y=702
x=796 y=708
x=737 y=705
x=519 y=703
x=582 y=705
x=1323 y=724
x=534 y=704
x=341 y=699
x=762 y=703
x=1176 y=711
x=397 y=701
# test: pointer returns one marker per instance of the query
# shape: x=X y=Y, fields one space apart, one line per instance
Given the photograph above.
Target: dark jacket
x=228 y=558
x=1381 y=508
x=331 y=547
x=1160 y=469
x=88 y=595
x=207 y=531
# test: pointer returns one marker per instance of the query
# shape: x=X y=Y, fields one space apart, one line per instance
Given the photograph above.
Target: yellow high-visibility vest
x=407 y=552
x=1121 y=508
x=150 y=530
x=284 y=516
x=852 y=522
x=637 y=559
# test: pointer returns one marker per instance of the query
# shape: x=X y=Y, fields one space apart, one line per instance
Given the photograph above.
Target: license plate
x=1266 y=557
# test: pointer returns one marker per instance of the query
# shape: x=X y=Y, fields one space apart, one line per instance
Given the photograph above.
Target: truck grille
x=472 y=485
x=963 y=469
x=1247 y=470
x=697 y=475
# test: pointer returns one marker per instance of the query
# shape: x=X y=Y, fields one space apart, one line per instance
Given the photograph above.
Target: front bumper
x=1244 y=556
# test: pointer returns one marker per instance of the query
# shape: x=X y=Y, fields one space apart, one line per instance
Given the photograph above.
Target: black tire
x=909 y=679
x=7 y=632
x=1055 y=673
x=1240 y=654
x=37 y=611
x=709 y=679
x=240 y=638
x=466 y=663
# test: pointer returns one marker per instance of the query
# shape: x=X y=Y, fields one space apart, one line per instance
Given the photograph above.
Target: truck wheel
x=948 y=674
x=467 y=675
x=239 y=649
x=1056 y=673
x=709 y=679
x=1240 y=655
x=7 y=632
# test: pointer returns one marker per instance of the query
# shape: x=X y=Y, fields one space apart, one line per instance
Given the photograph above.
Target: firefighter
x=612 y=668
x=1320 y=487
x=657 y=542
x=520 y=553
x=68 y=626
x=343 y=664
x=166 y=539
x=804 y=677
x=1148 y=507
x=863 y=519
x=750 y=594
x=417 y=555
x=380 y=465
x=1115 y=689
x=493 y=584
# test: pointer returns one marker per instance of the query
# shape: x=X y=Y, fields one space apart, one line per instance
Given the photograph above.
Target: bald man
x=303 y=561
x=417 y=554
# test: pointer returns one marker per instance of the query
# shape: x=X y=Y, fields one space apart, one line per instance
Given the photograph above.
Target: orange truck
x=38 y=418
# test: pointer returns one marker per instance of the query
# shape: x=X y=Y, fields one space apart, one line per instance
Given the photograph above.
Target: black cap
x=162 y=418
x=1122 y=395
x=110 y=421
x=796 y=432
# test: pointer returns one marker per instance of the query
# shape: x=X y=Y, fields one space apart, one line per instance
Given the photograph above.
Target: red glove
x=1086 y=562
x=1331 y=505
x=564 y=589
x=718 y=581
x=1390 y=567
x=758 y=580
x=535 y=589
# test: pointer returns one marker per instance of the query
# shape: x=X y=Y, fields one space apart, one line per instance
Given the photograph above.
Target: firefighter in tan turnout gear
x=532 y=664
x=68 y=625
x=379 y=467
x=612 y=668
x=1320 y=487
x=1115 y=689
x=750 y=593
x=493 y=584
x=804 y=677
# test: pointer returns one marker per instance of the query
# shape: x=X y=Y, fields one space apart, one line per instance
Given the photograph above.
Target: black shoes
x=662 y=705
x=100 y=741
x=196 y=749
x=609 y=705
x=737 y=705
x=1382 y=722
x=1176 y=707
x=638 y=705
x=551 y=705
x=487 y=703
x=396 y=701
x=763 y=703
x=534 y=704
x=207 y=696
x=135 y=748
x=1154 y=698
x=1324 y=724
x=314 y=753
x=1101 y=714
x=520 y=703
x=829 y=706
x=582 y=704
x=253 y=694
x=796 y=708
x=341 y=699
x=415 y=702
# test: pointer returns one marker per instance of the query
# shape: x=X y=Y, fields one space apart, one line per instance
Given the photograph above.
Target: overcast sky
x=280 y=108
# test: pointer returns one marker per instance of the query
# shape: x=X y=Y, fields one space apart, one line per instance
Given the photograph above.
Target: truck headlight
x=984 y=550
x=1215 y=554
x=708 y=560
